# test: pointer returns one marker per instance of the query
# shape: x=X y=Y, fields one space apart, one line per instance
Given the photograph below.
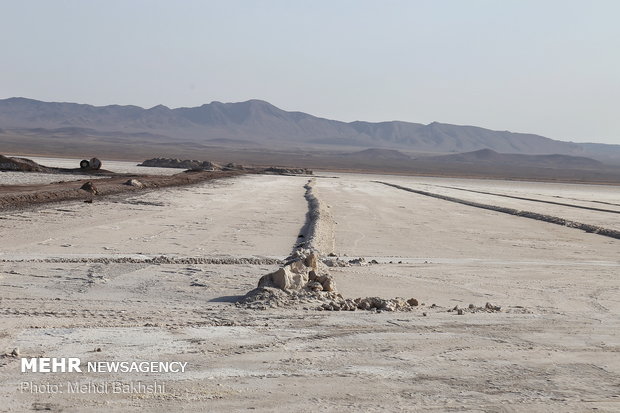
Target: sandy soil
x=553 y=347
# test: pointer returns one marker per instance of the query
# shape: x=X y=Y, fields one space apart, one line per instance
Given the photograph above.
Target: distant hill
x=488 y=156
x=607 y=153
x=378 y=154
x=259 y=124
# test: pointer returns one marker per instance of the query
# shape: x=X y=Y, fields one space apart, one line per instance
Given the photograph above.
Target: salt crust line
x=156 y=260
x=320 y=224
x=304 y=279
x=526 y=214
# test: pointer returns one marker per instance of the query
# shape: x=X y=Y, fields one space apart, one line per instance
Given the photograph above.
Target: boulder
x=135 y=183
x=358 y=261
x=285 y=278
x=312 y=261
x=315 y=286
x=90 y=187
x=94 y=163
x=492 y=307
x=298 y=267
x=312 y=276
x=329 y=284
x=231 y=166
x=334 y=262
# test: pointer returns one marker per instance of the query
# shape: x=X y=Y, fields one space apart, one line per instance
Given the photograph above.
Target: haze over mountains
x=258 y=124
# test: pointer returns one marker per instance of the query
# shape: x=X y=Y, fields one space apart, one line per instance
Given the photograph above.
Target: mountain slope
x=261 y=124
x=374 y=154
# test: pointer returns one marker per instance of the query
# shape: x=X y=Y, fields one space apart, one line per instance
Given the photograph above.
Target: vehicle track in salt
x=511 y=211
x=533 y=199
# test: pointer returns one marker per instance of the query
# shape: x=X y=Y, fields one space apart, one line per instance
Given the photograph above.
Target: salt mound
x=183 y=164
x=20 y=165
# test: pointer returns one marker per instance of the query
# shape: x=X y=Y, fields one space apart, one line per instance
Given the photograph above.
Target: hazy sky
x=540 y=66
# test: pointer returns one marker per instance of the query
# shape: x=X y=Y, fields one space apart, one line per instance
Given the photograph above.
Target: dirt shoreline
x=19 y=196
x=337 y=166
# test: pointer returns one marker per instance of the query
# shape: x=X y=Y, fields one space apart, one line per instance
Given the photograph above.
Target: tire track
x=526 y=214
x=533 y=199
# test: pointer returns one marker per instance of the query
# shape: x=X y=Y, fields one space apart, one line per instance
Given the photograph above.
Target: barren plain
x=155 y=275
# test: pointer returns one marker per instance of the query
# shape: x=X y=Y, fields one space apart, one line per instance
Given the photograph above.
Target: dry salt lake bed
x=78 y=280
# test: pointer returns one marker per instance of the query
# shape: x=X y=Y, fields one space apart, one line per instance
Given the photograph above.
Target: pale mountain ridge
x=261 y=123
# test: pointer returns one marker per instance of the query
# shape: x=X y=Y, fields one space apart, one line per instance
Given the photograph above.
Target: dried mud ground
x=75 y=278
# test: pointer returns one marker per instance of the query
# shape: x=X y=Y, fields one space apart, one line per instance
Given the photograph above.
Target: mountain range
x=259 y=124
